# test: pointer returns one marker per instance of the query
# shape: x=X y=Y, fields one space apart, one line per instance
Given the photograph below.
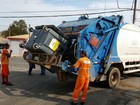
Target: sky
x=55 y=11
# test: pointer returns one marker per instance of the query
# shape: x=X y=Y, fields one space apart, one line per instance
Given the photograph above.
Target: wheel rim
x=114 y=78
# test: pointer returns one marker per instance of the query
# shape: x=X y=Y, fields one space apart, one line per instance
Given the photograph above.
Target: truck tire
x=113 y=77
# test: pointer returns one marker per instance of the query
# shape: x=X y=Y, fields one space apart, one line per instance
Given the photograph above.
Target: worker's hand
x=11 y=51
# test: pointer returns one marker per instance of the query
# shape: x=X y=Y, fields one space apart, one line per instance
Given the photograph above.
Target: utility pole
x=134 y=13
x=29 y=30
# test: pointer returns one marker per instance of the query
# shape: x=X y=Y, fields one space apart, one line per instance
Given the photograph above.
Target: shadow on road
x=37 y=86
x=131 y=75
x=53 y=92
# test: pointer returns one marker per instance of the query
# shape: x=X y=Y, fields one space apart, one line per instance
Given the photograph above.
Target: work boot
x=29 y=74
x=42 y=73
x=9 y=84
x=73 y=103
x=82 y=103
x=3 y=83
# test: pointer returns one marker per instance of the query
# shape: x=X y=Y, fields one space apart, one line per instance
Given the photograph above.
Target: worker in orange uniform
x=82 y=82
x=5 y=64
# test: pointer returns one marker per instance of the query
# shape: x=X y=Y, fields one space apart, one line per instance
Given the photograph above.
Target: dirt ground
x=47 y=90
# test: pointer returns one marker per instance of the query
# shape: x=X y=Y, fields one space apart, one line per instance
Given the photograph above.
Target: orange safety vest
x=4 y=58
x=83 y=65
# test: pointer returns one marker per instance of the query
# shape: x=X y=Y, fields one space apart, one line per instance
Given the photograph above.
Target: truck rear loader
x=113 y=47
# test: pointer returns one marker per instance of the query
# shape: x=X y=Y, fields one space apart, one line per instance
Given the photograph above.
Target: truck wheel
x=113 y=78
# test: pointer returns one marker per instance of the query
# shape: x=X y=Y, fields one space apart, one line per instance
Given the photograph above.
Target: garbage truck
x=113 y=47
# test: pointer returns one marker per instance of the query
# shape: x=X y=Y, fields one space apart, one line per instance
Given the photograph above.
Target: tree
x=16 y=28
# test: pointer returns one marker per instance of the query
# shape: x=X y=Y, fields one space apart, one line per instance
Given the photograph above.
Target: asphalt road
x=47 y=90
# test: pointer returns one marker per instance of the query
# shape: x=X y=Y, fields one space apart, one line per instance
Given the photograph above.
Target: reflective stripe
x=84 y=68
x=75 y=99
x=83 y=99
x=86 y=61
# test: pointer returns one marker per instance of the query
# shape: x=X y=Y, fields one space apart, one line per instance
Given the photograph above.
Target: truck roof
x=131 y=27
x=82 y=22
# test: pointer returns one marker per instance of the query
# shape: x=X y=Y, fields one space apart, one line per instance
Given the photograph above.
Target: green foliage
x=16 y=28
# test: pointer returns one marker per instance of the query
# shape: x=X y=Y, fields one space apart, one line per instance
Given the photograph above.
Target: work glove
x=69 y=66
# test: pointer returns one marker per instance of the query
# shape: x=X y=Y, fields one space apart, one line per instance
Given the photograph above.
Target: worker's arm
x=9 y=54
x=76 y=65
x=72 y=66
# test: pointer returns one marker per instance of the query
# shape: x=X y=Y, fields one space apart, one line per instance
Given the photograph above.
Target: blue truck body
x=97 y=39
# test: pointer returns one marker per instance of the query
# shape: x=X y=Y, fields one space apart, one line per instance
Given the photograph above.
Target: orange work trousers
x=5 y=73
x=82 y=84
x=5 y=70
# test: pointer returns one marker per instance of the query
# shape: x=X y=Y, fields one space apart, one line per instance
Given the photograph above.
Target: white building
x=14 y=42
